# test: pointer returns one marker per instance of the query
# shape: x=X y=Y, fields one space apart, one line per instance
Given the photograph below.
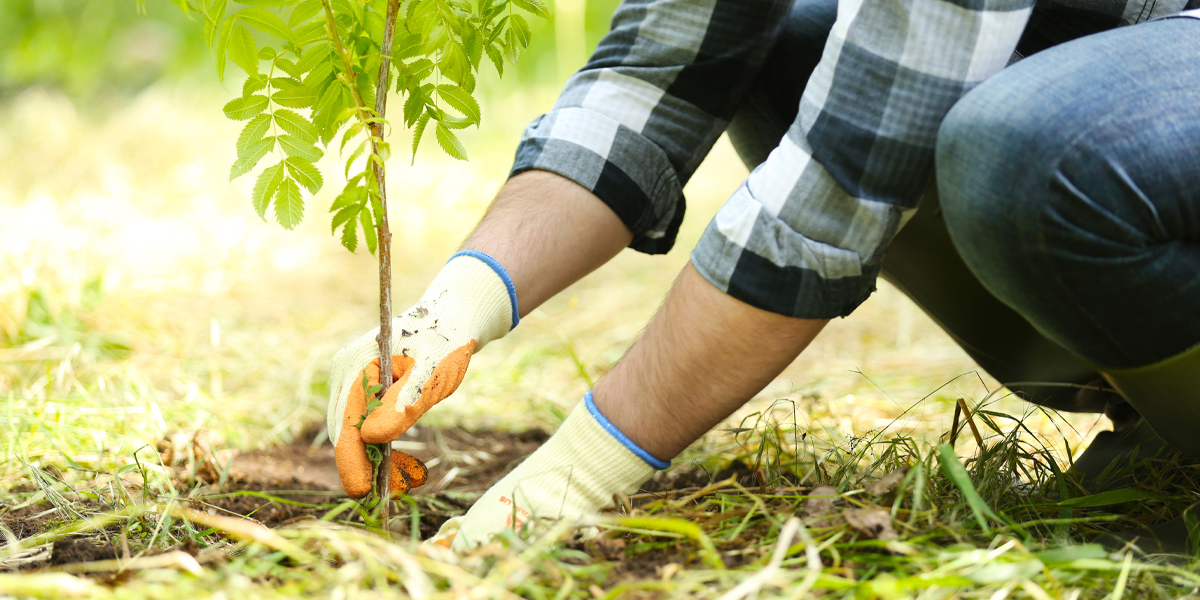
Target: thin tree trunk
x=383 y=483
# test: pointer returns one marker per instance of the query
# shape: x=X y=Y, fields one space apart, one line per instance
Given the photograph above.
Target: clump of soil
x=76 y=550
x=27 y=521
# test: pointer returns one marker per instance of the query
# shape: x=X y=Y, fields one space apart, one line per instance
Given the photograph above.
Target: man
x=1068 y=186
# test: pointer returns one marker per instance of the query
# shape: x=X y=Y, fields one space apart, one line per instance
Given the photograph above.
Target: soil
x=81 y=549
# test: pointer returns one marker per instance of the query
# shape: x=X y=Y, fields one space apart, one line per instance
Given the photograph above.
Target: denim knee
x=987 y=147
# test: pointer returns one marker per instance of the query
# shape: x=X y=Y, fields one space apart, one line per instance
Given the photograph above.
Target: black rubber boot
x=1169 y=537
x=1105 y=463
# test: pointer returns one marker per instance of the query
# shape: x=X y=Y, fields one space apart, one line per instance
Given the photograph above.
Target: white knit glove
x=470 y=303
x=575 y=473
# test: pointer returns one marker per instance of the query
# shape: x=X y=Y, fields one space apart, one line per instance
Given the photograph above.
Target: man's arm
x=548 y=232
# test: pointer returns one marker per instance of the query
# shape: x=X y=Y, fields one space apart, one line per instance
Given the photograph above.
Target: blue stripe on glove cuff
x=491 y=262
x=657 y=463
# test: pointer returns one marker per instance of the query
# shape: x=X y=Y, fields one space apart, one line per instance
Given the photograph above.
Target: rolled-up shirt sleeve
x=636 y=121
x=805 y=234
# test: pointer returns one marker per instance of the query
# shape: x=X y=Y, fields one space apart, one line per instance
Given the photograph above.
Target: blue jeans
x=1070 y=184
x=922 y=261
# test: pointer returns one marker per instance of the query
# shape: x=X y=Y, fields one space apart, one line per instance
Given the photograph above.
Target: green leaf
x=348 y=8
x=265 y=3
x=294 y=146
x=454 y=63
x=349 y=134
x=266 y=22
x=460 y=100
x=326 y=111
x=321 y=73
x=1111 y=497
x=253 y=84
x=266 y=53
x=418 y=71
x=305 y=11
x=223 y=47
x=265 y=188
x=253 y=154
x=242 y=50
x=304 y=173
x=521 y=27
x=310 y=32
x=417 y=132
x=497 y=59
x=351 y=196
x=296 y=97
x=364 y=217
x=958 y=475
x=406 y=47
x=449 y=142
x=348 y=214
x=289 y=204
x=349 y=235
x=473 y=41
x=362 y=146
x=534 y=6
x=253 y=132
x=240 y=109
x=414 y=106
x=295 y=125
x=289 y=67
x=213 y=22
x=285 y=83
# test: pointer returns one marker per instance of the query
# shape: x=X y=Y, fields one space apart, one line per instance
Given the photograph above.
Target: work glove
x=575 y=473
x=470 y=303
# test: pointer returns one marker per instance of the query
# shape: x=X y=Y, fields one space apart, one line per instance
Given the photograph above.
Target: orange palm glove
x=470 y=303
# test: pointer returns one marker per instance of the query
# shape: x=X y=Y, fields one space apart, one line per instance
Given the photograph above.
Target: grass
x=144 y=306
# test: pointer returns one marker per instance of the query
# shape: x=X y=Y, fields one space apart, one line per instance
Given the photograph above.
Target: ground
x=163 y=356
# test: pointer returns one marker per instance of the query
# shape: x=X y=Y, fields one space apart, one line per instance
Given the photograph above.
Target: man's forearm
x=701 y=358
x=548 y=232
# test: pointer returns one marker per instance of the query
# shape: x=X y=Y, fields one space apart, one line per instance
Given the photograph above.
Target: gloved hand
x=576 y=472
x=470 y=303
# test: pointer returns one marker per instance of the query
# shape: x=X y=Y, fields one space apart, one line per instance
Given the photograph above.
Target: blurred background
x=141 y=296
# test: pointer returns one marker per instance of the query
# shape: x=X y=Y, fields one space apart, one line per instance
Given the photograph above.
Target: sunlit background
x=140 y=294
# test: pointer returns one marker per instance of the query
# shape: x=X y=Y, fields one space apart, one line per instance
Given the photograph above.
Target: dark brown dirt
x=25 y=522
x=76 y=550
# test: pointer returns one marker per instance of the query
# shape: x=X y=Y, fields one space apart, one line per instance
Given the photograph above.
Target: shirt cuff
x=627 y=171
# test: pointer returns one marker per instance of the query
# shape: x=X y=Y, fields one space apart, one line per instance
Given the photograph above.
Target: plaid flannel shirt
x=805 y=234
